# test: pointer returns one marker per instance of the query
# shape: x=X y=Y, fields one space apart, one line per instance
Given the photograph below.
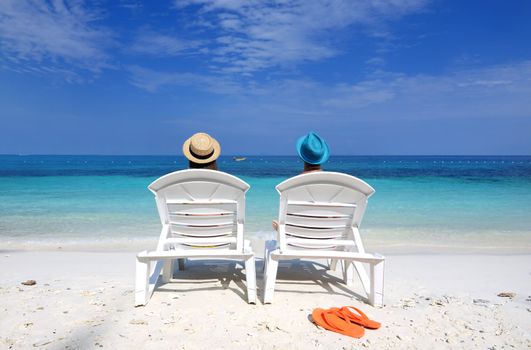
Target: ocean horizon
x=422 y=203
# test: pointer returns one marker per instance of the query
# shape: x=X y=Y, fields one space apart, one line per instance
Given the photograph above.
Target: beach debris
x=96 y=302
x=506 y=295
x=29 y=283
x=87 y=293
x=365 y=344
x=95 y=322
x=407 y=303
x=266 y=326
x=42 y=343
x=482 y=302
x=191 y=330
x=437 y=302
x=467 y=325
x=142 y=322
x=280 y=329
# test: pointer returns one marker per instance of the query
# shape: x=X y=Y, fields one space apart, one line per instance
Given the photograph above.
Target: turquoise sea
x=428 y=203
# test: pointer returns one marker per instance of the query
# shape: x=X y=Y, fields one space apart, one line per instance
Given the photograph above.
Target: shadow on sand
x=200 y=275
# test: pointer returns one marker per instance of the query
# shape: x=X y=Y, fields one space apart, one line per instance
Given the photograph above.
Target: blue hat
x=313 y=149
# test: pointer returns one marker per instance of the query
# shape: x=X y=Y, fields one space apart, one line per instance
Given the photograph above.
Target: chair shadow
x=290 y=272
x=308 y=272
x=207 y=271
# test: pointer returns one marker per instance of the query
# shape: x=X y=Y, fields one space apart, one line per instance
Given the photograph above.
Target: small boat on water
x=238 y=159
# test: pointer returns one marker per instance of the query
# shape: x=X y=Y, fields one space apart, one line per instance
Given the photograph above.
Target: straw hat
x=201 y=148
x=313 y=149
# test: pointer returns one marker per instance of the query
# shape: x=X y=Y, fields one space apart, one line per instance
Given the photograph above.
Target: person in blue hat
x=314 y=151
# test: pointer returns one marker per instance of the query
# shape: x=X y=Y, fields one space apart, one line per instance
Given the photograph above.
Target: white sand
x=84 y=300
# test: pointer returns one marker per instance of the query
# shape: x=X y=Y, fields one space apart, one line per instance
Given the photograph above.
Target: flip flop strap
x=346 y=310
x=338 y=321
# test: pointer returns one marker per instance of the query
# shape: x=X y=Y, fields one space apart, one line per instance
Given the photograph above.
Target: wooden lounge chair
x=319 y=218
x=202 y=214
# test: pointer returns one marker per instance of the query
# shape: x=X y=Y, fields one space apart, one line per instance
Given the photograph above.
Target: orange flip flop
x=359 y=317
x=330 y=320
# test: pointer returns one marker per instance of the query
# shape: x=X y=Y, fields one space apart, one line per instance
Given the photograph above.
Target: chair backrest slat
x=201 y=205
x=314 y=232
x=201 y=214
x=321 y=206
x=319 y=215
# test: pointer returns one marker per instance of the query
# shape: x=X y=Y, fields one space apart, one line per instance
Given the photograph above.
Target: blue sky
x=372 y=77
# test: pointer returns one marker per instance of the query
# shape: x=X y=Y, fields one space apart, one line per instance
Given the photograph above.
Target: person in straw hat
x=202 y=150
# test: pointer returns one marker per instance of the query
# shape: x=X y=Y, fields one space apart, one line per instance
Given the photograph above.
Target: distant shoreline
x=260 y=155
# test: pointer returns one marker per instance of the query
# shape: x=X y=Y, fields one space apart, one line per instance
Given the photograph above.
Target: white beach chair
x=202 y=214
x=319 y=218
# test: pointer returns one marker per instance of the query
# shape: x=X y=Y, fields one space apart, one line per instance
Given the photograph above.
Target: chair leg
x=142 y=283
x=269 y=246
x=348 y=272
x=264 y=266
x=332 y=264
x=181 y=263
x=270 y=279
x=364 y=278
x=167 y=271
x=250 y=277
x=377 y=284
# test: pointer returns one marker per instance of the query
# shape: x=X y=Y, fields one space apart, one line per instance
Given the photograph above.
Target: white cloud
x=36 y=34
x=133 y=5
x=498 y=91
x=256 y=34
x=493 y=92
x=375 y=62
x=152 y=80
x=149 y=42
